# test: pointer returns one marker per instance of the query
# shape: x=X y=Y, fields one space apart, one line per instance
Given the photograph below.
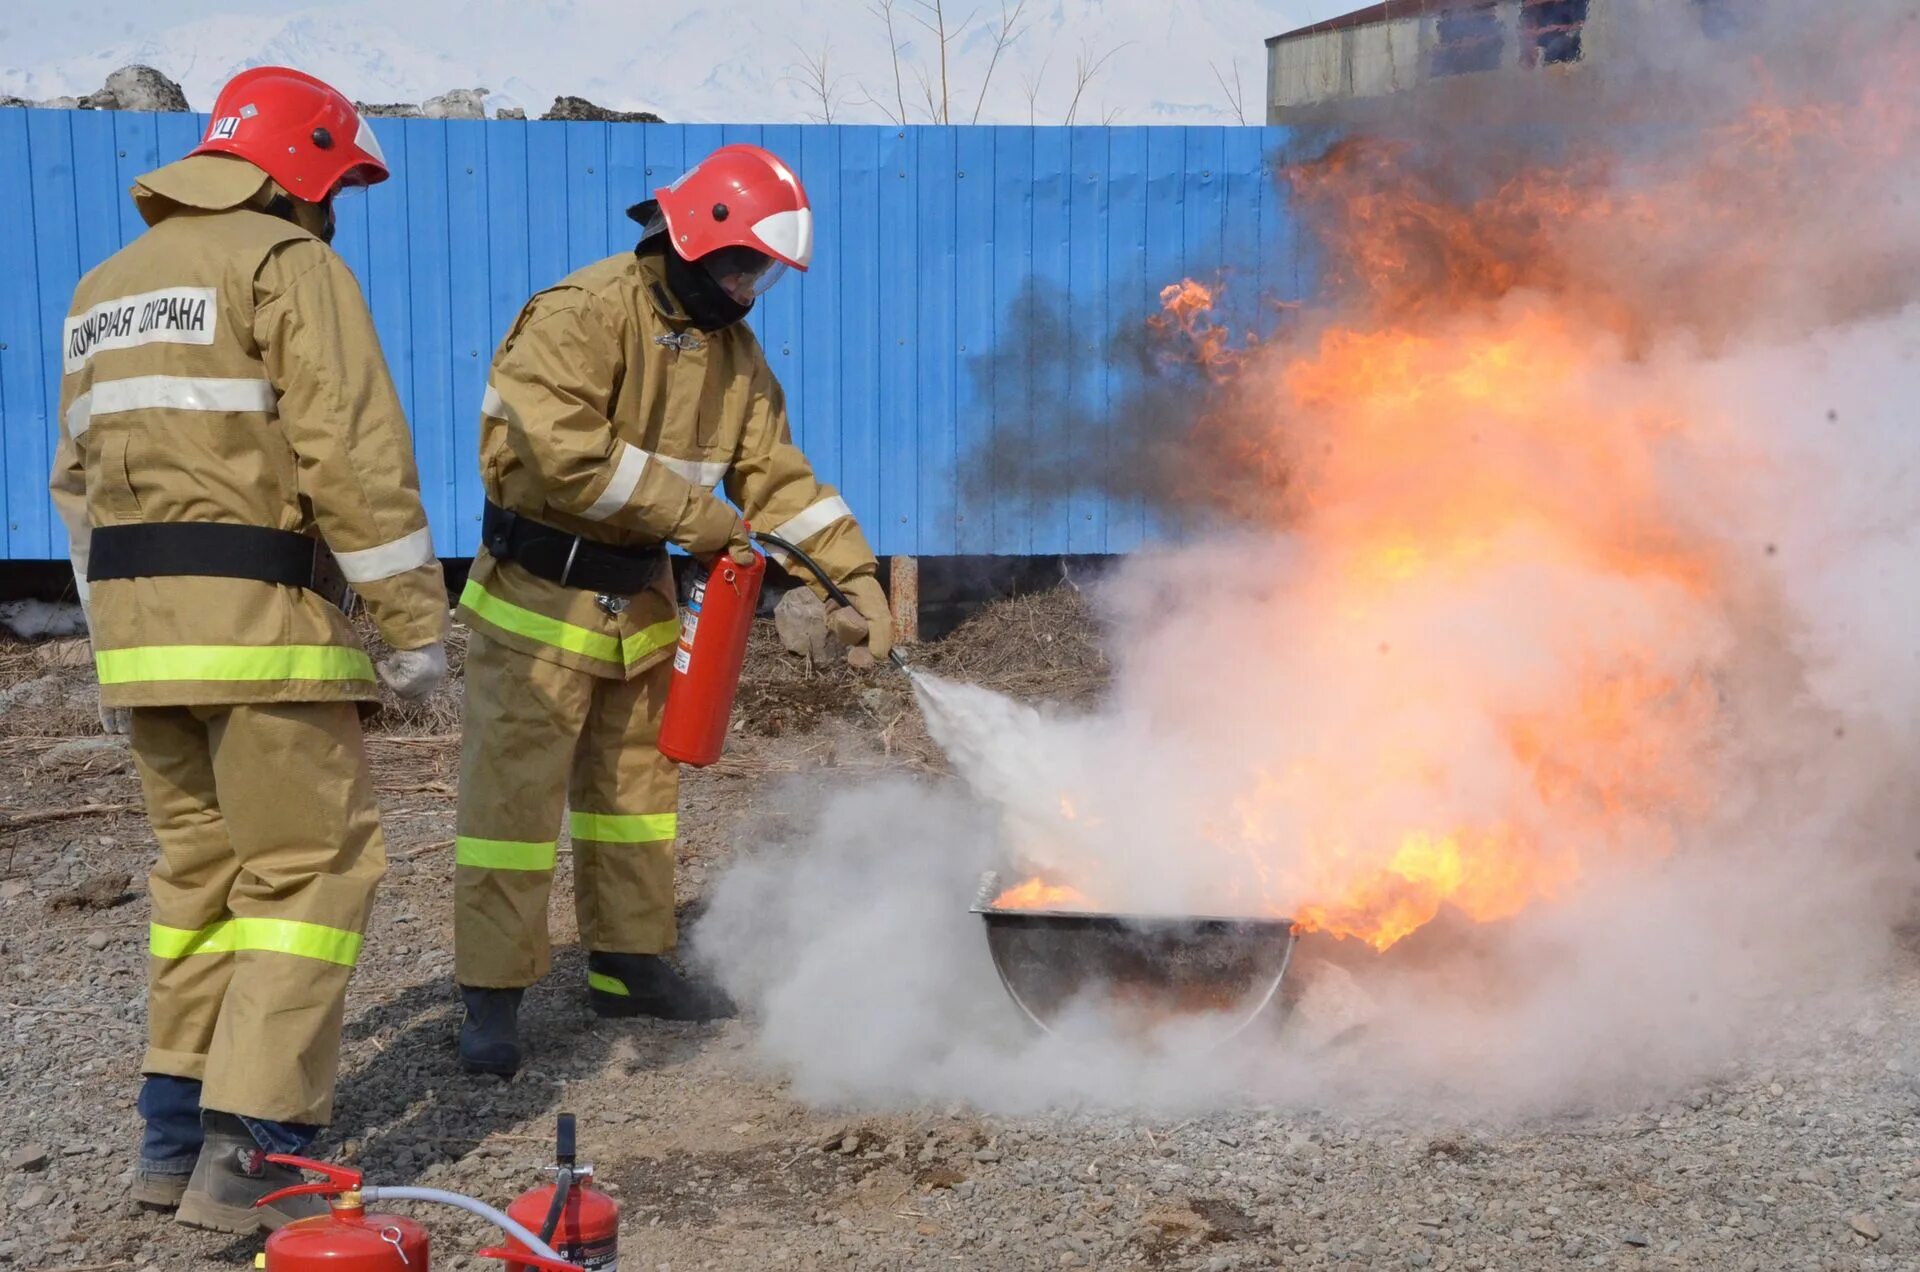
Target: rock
x=6 y=101
x=800 y=619
x=65 y=103
x=74 y=651
x=97 y=756
x=32 y=1157
x=512 y=112
x=389 y=110
x=987 y=1156
x=1635 y=1239
x=579 y=108
x=1865 y=1226
x=461 y=103
x=101 y=892
x=98 y=940
x=41 y=691
x=32 y=619
x=14 y=888
x=143 y=88
x=35 y=1197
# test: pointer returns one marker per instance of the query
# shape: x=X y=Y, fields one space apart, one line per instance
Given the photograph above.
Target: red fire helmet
x=300 y=131
x=739 y=196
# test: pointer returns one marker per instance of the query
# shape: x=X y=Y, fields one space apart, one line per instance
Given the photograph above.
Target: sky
x=1153 y=61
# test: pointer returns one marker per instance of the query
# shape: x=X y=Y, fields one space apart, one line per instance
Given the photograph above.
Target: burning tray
x=1145 y=969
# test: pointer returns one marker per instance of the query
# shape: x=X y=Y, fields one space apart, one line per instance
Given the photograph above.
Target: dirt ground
x=717 y=1168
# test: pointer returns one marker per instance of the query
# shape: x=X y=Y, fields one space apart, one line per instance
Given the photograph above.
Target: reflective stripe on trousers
x=537 y=738
x=270 y=851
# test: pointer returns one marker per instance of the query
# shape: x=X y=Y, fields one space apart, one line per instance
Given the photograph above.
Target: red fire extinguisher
x=349 y=1238
x=706 y=665
x=713 y=649
x=581 y=1223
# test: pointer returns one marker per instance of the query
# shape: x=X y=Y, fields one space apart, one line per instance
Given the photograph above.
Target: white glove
x=117 y=721
x=415 y=673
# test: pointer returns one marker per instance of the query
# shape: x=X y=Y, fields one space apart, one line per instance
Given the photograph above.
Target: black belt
x=158 y=549
x=568 y=559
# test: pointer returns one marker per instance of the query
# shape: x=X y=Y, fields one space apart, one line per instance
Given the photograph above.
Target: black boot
x=648 y=985
x=231 y=1174
x=490 y=1036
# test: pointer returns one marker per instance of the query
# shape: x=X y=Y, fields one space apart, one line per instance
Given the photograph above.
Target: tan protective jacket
x=223 y=367
x=610 y=416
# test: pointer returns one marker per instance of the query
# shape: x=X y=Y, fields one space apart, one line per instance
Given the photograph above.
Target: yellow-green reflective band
x=503 y=854
x=269 y=936
x=548 y=631
x=607 y=984
x=624 y=828
x=231 y=662
x=563 y=635
x=650 y=640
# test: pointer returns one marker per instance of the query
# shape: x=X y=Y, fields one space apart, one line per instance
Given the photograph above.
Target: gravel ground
x=1812 y=1165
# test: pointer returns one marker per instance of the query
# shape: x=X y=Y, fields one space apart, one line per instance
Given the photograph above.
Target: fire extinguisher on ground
x=351 y=1238
x=580 y=1223
x=565 y=1226
x=713 y=649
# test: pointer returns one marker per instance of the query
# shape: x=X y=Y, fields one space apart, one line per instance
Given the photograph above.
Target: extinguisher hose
x=471 y=1206
x=562 y=1185
x=826 y=581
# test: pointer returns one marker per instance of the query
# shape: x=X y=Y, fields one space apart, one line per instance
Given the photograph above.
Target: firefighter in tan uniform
x=228 y=427
x=618 y=403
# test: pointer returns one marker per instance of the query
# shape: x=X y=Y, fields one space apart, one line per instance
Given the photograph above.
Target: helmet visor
x=743 y=273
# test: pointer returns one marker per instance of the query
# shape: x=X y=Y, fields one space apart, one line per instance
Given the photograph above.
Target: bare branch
x=926 y=88
x=1009 y=19
x=1085 y=67
x=867 y=98
x=1236 y=98
x=883 y=9
x=813 y=76
x=1109 y=115
x=1032 y=83
x=936 y=23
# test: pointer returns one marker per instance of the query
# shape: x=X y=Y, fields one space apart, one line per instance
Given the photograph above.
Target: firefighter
x=622 y=404
x=231 y=446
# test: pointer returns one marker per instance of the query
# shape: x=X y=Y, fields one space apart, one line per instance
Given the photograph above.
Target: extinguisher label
x=594 y=1256
x=689 y=624
x=681 y=660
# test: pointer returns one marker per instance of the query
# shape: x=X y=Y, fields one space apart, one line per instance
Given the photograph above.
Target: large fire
x=1451 y=425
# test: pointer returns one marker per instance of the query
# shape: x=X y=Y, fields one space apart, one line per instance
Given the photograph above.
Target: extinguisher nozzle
x=564 y=1151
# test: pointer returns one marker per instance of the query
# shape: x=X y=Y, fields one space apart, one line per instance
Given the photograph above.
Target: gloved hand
x=710 y=527
x=866 y=629
x=414 y=673
x=739 y=546
x=117 y=721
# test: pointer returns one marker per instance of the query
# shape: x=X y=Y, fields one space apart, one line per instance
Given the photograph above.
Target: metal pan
x=1141 y=970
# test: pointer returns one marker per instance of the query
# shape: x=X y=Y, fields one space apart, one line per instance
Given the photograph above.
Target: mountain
x=743 y=61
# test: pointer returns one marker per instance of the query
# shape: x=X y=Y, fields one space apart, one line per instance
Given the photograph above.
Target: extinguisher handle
x=526 y=1259
x=339 y=1179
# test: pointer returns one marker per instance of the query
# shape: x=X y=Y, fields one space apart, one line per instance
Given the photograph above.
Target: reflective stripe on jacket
x=223 y=367
x=610 y=416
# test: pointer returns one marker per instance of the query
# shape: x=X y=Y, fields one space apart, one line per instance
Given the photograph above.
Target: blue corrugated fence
x=934 y=247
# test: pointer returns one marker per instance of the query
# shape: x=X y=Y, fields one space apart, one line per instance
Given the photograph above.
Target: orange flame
x=1038 y=894
x=1457 y=425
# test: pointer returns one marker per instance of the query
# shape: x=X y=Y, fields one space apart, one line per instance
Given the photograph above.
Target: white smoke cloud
x=1738 y=887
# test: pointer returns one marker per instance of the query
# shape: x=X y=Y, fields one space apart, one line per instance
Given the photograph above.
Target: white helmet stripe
x=788 y=235
x=368 y=144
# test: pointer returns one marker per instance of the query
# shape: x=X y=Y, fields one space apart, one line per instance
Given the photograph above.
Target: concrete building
x=1403 y=45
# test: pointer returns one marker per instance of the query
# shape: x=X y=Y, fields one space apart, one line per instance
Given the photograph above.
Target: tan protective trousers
x=270 y=850
x=540 y=738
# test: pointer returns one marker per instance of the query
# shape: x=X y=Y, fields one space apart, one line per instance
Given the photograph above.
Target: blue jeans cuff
x=281 y=1137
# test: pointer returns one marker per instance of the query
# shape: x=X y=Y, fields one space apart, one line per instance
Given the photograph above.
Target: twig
x=883 y=9
x=20 y=820
x=1085 y=67
x=439 y=845
x=1236 y=97
x=89 y=1267
x=1005 y=36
